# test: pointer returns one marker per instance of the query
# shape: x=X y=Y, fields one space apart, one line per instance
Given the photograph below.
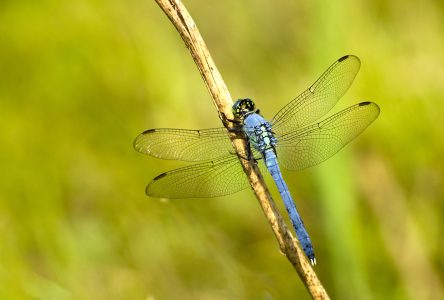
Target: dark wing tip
x=160 y=176
x=349 y=56
x=137 y=139
x=376 y=107
x=365 y=103
x=148 y=131
x=343 y=58
x=148 y=191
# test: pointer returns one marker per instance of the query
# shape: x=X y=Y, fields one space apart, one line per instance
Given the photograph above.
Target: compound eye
x=249 y=104
x=242 y=107
x=237 y=108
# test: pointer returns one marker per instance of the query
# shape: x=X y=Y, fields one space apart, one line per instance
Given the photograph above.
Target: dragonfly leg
x=226 y=119
x=241 y=156
x=248 y=157
x=236 y=130
x=249 y=154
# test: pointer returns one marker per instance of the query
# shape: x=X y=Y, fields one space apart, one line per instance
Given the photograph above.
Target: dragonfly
x=294 y=139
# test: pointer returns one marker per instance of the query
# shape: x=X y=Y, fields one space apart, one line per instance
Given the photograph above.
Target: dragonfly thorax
x=243 y=107
x=259 y=132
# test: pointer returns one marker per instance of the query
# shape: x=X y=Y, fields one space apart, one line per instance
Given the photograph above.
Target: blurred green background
x=81 y=79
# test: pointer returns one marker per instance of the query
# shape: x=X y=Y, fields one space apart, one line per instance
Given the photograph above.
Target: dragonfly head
x=243 y=107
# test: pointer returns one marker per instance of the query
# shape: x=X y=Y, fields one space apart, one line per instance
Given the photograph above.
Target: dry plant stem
x=187 y=29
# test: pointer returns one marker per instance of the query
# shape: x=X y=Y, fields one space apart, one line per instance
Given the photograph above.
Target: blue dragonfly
x=294 y=139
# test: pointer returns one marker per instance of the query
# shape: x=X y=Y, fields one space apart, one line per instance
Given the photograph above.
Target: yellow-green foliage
x=80 y=79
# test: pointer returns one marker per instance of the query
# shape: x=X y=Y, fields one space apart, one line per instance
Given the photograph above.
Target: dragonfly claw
x=313 y=261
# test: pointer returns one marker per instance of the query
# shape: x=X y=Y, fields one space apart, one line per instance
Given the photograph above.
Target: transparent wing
x=314 y=144
x=319 y=98
x=210 y=179
x=183 y=144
